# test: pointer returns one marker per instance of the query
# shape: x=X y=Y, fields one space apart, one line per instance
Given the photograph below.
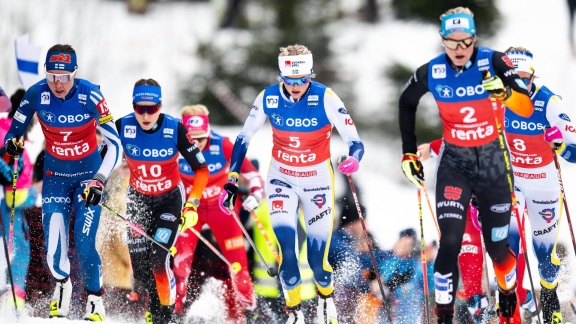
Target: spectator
x=402 y=273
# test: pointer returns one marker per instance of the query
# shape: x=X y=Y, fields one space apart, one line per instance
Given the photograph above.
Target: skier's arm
x=255 y=120
x=339 y=117
x=194 y=157
x=415 y=88
x=107 y=128
x=518 y=100
x=556 y=116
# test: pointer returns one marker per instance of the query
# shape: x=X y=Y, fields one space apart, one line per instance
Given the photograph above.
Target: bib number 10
x=155 y=170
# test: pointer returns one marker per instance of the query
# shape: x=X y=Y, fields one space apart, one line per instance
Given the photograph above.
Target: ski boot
x=445 y=314
x=295 y=315
x=508 y=307
x=477 y=306
x=529 y=307
x=60 y=302
x=550 y=305
x=94 y=309
x=326 y=310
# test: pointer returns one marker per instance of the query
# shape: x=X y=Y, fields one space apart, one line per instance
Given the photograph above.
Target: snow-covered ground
x=116 y=48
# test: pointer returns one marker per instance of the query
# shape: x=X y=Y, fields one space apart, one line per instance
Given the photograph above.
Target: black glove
x=228 y=195
x=398 y=279
x=93 y=192
x=14 y=146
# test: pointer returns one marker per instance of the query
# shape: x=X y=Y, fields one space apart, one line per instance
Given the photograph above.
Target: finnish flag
x=27 y=59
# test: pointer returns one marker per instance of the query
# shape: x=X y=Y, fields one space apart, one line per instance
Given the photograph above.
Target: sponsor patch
x=280 y=183
x=162 y=235
x=105 y=119
x=130 y=131
x=19 y=117
x=168 y=217
x=272 y=101
x=439 y=71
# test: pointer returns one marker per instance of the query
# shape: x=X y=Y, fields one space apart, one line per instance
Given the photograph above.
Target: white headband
x=522 y=61
x=295 y=65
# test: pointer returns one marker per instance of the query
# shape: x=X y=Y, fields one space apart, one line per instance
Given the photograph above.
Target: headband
x=457 y=22
x=295 y=65
x=64 y=61
x=197 y=123
x=523 y=61
x=147 y=93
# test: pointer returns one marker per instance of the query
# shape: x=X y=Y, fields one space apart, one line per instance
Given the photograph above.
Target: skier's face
x=300 y=84
x=459 y=47
x=60 y=82
x=147 y=114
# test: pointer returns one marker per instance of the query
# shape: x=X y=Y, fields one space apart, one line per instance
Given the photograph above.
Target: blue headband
x=147 y=93
x=61 y=61
x=457 y=22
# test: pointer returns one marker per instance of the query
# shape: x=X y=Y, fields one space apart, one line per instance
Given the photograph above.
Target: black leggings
x=461 y=173
x=159 y=217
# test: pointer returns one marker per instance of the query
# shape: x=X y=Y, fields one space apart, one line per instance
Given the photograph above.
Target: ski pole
x=370 y=247
x=236 y=267
x=423 y=257
x=140 y=231
x=564 y=201
x=7 y=254
x=265 y=235
x=13 y=210
x=511 y=187
x=431 y=209
x=272 y=272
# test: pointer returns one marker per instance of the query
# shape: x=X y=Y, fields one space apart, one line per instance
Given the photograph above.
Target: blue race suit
x=72 y=160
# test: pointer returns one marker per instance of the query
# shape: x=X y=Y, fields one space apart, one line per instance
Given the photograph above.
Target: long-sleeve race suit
x=535 y=176
x=217 y=152
x=72 y=159
x=473 y=160
x=155 y=199
x=300 y=171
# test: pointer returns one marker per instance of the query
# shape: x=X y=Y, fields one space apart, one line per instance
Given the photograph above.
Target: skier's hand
x=554 y=137
x=413 y=169
x=93 y=192
x=189 y=216
x=228 y=195
x=495 y=87
x=424 y=151
x=348 y=164
x=14 y=146
x=253 y=201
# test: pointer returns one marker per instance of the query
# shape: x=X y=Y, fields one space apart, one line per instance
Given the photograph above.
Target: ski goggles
x=150 y=110
x=453 y=44
x=293 y=81
x=63 y=78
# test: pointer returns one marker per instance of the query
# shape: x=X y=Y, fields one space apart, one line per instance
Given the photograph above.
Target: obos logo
x=319 y=200
x=158 y=153
x=444 y=91
x=133 y=150
x=301 y=122
x=277 y=119
x=47 y=116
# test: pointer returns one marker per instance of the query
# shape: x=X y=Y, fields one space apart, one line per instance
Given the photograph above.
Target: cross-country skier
x=152 y=142
x=469 y=85
x=302 y=113
x=69 y=111
x=217 y=150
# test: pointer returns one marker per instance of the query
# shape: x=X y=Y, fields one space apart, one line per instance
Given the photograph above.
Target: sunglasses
x=150 y=110
x=63 y=78
x=453 y=44
x=293 y=81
